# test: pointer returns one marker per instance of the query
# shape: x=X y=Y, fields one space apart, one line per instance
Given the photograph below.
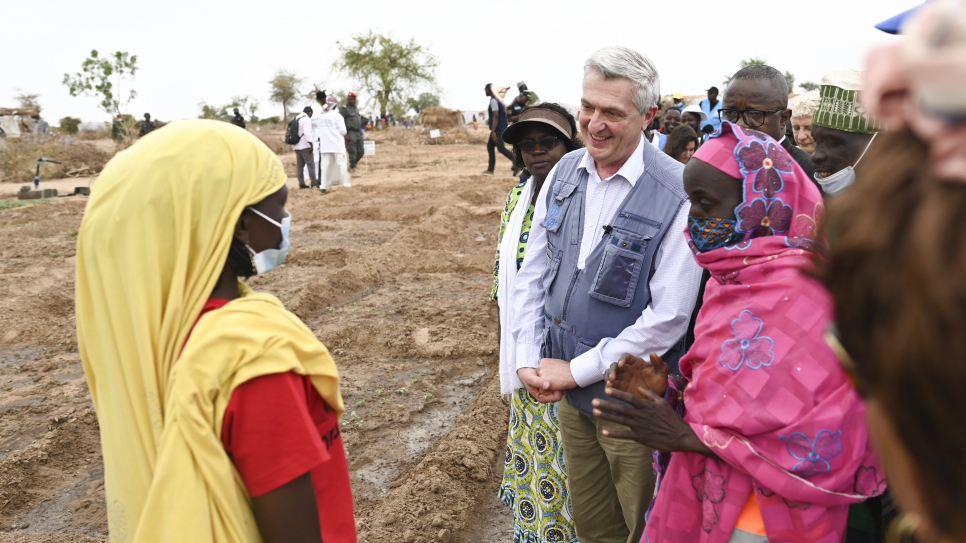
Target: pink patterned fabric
x=763 y=390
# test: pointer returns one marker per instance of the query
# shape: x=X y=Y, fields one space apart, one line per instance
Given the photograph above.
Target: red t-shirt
x=276 y=428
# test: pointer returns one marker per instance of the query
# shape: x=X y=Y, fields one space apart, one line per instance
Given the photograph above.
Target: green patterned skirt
x=535 y=474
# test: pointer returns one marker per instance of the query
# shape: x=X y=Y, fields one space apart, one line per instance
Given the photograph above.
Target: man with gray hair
x=607 y=272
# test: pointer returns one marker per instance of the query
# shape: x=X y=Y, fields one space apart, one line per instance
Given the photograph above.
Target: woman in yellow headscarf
x=218 y=408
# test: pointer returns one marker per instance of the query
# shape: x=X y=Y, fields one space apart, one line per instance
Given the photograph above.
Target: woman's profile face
x=258 y=233
x=540 y=161
x=712 y=192
x=802 y=129
x=685 y=155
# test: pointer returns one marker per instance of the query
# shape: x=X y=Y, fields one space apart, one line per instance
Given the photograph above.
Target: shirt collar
x=631 y=170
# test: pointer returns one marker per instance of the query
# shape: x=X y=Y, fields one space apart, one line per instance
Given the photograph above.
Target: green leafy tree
x=208 y=111
x=95 y=79
x=423 y=101
x=790 y=79
x=27 y=101
x=387 y=69
x=69 y=125
x=808 y=86
x=284 y=87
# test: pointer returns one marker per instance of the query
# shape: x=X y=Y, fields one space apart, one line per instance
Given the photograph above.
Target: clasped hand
x=548 y=382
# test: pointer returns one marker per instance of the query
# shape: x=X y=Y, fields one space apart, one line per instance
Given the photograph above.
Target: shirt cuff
x=586 y=369
x=528 y=356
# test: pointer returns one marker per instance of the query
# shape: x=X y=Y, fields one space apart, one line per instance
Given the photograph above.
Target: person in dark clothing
x=353 y=125
x=757 y=98
x=147 y=125
x=497 y=122
x=516 y=107
x=237 y=120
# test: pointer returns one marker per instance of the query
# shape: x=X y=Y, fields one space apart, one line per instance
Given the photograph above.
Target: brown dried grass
x=18 y=160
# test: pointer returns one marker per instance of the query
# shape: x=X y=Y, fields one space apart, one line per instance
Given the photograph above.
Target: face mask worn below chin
x=269 y=259
x=842 y=179
x=710 y=233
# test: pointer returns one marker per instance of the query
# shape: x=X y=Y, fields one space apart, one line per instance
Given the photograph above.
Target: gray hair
x=762 y=72
x=614 y=62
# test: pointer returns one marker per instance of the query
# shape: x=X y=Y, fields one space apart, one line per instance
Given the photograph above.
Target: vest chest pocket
x=553 y=264
x=620 y=270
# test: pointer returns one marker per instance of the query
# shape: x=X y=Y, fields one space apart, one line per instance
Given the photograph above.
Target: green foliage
x=752 y=61
x=94 y=79
x=423 y=101
x=387 y=69
x=790 y=79
x=69 y=125
x=284 y=87
x=27 y=101
x=809 y=86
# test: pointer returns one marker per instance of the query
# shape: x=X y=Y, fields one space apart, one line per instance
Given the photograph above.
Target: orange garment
x=750 y=518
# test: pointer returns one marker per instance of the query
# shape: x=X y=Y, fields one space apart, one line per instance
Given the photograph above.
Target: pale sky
x=211 y=50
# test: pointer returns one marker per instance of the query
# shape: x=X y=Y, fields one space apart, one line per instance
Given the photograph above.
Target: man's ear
x=243 y=228
x=786 y=117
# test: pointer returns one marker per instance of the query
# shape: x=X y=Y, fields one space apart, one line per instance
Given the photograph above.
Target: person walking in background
x=147 y=126
x=761 y=436
x=517 y=106
x=757 y=97
x=218 y=408
x=497 y=123
x=535 y=473
x=607 y=272
x=304 y=159
x=532 y=98
x=353 y=125
x=681 y=144
x=331 y=135
x=842 y=129
x=710 y=106
x=803 y=107
x=237 y=119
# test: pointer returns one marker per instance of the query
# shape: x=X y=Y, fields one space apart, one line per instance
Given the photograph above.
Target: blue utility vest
x=610 y=293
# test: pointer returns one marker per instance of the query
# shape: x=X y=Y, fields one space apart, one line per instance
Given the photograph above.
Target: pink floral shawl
x=760 y=387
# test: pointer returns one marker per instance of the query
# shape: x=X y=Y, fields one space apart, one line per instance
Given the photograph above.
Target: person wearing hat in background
x=694 y=117
x=532 y=97
x=677 y=98
x=147 y=126
x=537 y=493
x=710 y=107
x=842 y=129
x=497 y=123
x=354 y=137
x=803 y=106
x=516 y=107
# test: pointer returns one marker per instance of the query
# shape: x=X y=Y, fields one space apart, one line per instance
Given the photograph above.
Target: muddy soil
x=392 y=274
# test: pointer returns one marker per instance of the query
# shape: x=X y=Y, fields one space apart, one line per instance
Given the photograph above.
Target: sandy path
x=392 y=274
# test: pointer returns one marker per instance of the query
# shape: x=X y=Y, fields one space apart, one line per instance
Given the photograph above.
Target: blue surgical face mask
x=710 y=233
x=269 y=259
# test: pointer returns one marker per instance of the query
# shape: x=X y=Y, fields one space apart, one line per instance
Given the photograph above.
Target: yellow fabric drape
x=154 y=239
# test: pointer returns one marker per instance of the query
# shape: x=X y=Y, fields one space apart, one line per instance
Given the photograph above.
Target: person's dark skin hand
x=631 y=372
x=652 y=422
x=289 y=513
x=493 y=135
x=537 y=387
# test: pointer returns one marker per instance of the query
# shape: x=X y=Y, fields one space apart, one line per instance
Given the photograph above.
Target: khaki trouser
x=611 y=480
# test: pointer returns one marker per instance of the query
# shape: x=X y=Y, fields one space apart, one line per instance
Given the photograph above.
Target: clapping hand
x=631 y=374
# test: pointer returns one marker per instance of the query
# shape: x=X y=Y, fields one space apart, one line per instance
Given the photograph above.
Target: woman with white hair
x=802 y=108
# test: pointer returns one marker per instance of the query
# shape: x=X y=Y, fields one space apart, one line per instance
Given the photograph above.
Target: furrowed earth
x=393 y=275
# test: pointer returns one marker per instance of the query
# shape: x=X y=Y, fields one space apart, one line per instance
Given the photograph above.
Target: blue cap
x=893 y=25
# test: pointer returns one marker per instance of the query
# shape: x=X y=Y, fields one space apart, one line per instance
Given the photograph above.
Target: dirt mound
x=18 y=160
x=440 y=117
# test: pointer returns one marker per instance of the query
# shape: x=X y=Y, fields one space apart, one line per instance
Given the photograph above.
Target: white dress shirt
x=674 y=284
x=305 y=132
x=329 y=128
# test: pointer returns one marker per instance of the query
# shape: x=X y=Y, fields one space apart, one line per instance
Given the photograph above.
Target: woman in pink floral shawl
x=767 y=435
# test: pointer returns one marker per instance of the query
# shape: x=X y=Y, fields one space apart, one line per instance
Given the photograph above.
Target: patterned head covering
x=805 y=105
x=839 y=104
x=779 y=200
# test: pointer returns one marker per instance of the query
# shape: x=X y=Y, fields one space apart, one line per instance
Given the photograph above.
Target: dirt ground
x=393 y=276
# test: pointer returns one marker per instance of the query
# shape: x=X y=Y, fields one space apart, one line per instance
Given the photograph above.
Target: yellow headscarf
x=153 y=242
